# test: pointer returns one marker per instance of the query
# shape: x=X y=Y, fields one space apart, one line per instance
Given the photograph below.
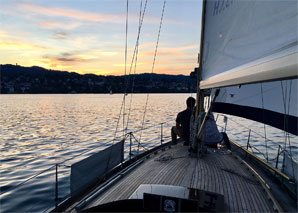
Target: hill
x=16 y=79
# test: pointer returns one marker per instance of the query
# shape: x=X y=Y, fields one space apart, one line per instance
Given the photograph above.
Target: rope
x=253 y=147
x=268 y=139
x=287 y=133
x=153 y=65
x=285 y=112
x=139 y=143
x=166 y=157
x=126 y=33
x=135 y=67
x=264 y=121
x=247 y=179
x=123 y=100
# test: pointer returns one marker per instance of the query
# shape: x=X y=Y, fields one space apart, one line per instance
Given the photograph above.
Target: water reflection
x=38 y=131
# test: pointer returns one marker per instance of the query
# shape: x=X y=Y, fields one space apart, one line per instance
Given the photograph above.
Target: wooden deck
x=218 y=172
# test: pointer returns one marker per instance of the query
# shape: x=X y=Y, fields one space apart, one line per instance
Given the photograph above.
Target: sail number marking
x=220 y=5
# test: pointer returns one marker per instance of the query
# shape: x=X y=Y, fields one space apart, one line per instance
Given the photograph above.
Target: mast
x=200 y=94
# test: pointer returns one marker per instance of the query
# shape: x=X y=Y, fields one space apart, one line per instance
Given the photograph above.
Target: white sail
x=247 y=41
x=272 y=103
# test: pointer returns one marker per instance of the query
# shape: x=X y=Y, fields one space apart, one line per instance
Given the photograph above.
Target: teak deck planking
x=218 y=171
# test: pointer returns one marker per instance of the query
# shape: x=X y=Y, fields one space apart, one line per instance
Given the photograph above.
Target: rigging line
x=22 y=183
x=129 y=72
x=135 y=68
x=125 y=59
x=288 y=134
x=137 y=41
x=264 y=122
x=288 y=113
x=123 y=100
x=139 y=144
x=60 y=163
x=153 y=65
x=135 y=50
x=285 y=112
x=268 y=139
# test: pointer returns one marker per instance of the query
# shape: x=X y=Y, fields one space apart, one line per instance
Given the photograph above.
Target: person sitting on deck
x=183 y=123
x=212 y=136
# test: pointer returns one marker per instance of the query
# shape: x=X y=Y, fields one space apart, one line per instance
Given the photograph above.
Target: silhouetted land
x=16 y=79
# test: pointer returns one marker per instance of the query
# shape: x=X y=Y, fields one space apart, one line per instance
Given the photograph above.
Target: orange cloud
x=123 y=65
x=71 y=13
x=165 y=51
x=19 y=45
x=62 y=25
x=97 y=72
x=162 y=53
x=173 y=70
x=108 y=53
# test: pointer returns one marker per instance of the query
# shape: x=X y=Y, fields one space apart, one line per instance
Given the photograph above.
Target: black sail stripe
x=268 y=117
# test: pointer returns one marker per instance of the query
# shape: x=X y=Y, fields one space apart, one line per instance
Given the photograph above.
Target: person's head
x=190 y=102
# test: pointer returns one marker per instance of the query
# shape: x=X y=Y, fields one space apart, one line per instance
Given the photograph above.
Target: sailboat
x=249 y=54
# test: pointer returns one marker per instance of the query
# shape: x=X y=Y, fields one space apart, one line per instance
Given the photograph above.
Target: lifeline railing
x=273 y=161
x=130 y=152
x=128 y=149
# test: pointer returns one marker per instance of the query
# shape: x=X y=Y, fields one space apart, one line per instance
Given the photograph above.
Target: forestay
x=247 y=41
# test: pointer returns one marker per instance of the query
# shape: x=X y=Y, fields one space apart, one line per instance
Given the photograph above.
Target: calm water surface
x=39 y=131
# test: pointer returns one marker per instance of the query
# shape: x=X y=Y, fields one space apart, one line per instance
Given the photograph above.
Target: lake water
x=39 y=131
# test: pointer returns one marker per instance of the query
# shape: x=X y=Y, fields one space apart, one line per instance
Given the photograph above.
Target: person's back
x=184 y=119
x=211 y=134
x=183 y=123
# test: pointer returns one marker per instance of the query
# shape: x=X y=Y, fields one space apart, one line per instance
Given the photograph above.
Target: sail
x=272 y=103
x=247 y=41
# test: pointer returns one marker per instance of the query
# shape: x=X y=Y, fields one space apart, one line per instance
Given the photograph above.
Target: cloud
x=123 y=65
x=66 y=25
x=61 y=35
x=71 y=61
x=162 y=53
x=165 y=51
x=10 y=44
x=70 y=13
x=64 y=58
x=97 y=71
x=108 y=53
x=173 y=70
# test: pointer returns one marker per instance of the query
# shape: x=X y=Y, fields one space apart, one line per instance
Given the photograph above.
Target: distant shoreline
x=16 y=79
x=94 y=93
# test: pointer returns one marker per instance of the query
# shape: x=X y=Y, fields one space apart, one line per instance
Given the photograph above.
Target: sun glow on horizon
x=86 y=37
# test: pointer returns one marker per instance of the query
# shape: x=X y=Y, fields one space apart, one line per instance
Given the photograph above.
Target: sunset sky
x=88 y=36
